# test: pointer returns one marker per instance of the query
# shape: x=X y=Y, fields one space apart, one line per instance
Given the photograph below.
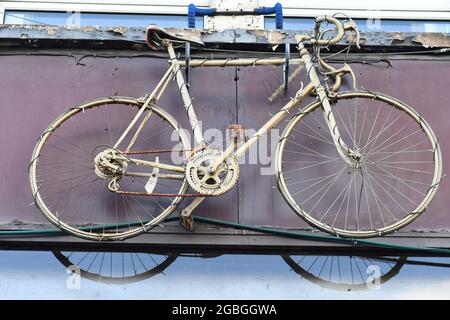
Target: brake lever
x=351 y=25
x=346 y=69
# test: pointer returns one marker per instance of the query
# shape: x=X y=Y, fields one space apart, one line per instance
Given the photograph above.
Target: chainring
x=216 y=183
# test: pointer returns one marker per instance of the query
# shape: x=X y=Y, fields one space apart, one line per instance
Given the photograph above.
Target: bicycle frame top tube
x=314 y=86
x=182 y=86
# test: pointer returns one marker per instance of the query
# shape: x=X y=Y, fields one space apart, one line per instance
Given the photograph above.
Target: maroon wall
x=35 y=89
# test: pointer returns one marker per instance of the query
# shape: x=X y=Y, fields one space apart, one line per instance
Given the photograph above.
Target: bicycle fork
x=351 y=157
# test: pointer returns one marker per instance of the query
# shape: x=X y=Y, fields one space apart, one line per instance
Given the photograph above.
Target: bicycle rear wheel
x=116 y=267
x=76 y=199
x=400 y=168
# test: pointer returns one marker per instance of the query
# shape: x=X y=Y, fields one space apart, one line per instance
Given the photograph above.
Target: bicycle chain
x=158 y=194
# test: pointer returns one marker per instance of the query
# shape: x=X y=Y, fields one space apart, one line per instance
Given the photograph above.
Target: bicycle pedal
x=187 y=222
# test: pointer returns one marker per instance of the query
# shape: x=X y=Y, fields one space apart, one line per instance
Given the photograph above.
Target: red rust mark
x=397 y=37
x=272 y=37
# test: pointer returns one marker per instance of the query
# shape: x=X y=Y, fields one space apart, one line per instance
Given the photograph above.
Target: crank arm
x=186 y=219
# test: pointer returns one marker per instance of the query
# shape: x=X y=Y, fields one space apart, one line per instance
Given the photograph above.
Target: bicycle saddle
x=156 y=35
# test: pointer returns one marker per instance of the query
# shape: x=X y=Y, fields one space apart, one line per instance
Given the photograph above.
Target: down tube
x=182 y=86
x=276 y=119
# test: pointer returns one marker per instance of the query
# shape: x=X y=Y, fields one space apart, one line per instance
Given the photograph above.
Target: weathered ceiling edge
x=39 y=36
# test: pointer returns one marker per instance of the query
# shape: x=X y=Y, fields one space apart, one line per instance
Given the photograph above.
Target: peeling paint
x=137 y=46
x=119 y=31
x=115 y=33
x=433 y=40
x=272 y=37
x=397 y=37
x=351 y=38
x=88 y=36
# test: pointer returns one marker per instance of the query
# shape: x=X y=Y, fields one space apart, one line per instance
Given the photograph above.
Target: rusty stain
x=138 y=46
x=115 y=32
x=397 y=37
x=272 y=37
x=51 y=31
x=431 y=40
x=118 y=31
x=351 y=38
x=276 y=37
x=196 y=33
x=89 y=28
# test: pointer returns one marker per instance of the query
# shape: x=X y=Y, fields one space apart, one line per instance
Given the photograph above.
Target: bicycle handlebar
x=326 y=42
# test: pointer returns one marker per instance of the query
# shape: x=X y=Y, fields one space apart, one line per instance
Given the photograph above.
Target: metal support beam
x=38 y=36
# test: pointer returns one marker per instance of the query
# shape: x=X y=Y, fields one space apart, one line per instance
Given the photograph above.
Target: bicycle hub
x=110 y=164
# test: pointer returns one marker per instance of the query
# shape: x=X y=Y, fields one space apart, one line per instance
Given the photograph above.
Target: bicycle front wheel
x=345 y=273
x=396 y=179
x=72 y=195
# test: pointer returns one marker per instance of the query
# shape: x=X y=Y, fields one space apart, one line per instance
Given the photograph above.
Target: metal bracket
x=187 y=59
x=287 y=56
x=153 y=179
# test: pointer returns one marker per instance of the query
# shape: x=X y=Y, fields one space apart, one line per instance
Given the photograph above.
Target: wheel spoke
x=389 y=176
x=74 y=192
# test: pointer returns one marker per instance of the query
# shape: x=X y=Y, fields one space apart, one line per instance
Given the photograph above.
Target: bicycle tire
x=99 y=232
x=313 y=135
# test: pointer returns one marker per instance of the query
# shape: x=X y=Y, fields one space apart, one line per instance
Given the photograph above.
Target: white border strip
x=383 y=9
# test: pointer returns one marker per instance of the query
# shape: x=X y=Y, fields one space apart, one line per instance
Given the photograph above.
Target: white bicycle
x=354 y=164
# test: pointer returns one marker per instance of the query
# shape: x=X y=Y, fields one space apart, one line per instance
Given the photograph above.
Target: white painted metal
x=218 y=22
x=233 y=4
x=234 y=22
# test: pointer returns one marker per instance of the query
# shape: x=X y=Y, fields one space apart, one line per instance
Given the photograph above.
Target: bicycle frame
x=174 y=72
x=210 y=172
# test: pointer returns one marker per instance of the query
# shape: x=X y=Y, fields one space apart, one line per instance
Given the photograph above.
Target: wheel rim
x=115 y=267
x=333 y=215
x=101 y=225
x=345 y=273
